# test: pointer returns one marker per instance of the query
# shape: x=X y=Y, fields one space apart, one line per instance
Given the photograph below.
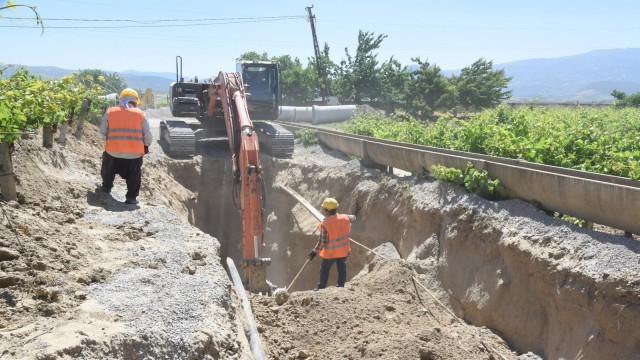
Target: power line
x=151 y=23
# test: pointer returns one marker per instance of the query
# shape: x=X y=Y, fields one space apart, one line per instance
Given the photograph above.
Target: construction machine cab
x=186 y=99
x=261 y=80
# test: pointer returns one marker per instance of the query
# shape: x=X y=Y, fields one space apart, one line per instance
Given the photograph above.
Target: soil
x=451 y=276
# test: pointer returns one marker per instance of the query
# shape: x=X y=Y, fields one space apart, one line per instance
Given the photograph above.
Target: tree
x=394 y=80
x=254 y=56
x=111 y=83
x=624 y=100
x=358 y=76
x=480 y=87
x=426 y=88
x=298 y=83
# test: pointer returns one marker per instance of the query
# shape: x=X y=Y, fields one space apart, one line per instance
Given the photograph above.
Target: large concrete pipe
x=304 y=114
x=287 y=113
x=328 y=114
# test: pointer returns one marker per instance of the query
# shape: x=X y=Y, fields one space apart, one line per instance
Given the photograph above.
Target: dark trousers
x=326 y=265
x=128 y=169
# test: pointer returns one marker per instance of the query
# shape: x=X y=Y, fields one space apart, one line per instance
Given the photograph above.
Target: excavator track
x=274 y=139
x=178 y=137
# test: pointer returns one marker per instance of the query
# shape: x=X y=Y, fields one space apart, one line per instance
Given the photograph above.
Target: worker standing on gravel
x=128 y=136
x=334 y=242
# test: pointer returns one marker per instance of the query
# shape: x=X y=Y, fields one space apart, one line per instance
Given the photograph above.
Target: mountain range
x=582 y=78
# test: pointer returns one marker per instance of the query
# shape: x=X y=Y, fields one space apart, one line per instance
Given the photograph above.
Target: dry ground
x=84 y=276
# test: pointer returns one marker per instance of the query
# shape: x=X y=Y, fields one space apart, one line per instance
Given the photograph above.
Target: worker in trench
x=334 y=243
x=128 y=136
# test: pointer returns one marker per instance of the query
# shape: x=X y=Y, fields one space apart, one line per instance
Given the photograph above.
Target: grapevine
x=28 y=103
x=600 y=140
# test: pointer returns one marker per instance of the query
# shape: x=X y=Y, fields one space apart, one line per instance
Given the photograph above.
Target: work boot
x=131 y=201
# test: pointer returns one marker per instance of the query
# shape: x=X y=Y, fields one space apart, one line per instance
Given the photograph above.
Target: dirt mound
x=383 y=315
x=86 y=276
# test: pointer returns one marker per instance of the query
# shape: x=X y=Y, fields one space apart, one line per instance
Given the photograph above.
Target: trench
x=487 y=265
x=290 y=231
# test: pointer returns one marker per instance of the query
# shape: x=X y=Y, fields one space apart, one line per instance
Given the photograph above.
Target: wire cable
x=208 y=22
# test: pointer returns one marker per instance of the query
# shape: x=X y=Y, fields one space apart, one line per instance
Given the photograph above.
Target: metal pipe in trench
x=256 y=345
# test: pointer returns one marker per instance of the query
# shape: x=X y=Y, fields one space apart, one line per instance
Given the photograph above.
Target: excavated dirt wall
x=544 y=285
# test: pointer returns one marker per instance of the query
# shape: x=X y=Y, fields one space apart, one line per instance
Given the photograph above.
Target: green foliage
x=427 y=87
x=358 y=77
x=298 y=83
x=253 y=55
x=624 y=100
x=573 y=220
x=480 y=87
x=603 y=140
x=28 y=102
x=110 y=83
x=394 y=84
x=308 y=137
x=476 y=182
x=447 y=174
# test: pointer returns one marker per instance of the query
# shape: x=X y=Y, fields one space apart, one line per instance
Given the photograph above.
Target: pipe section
x=329 y=114
x=316 y=114
x=256 y=345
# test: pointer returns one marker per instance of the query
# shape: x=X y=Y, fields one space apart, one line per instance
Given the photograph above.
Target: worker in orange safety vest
x=334 y=243
x=128 y=136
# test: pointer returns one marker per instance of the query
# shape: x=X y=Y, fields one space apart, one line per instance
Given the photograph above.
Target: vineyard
x=602 y=140
x=28 y=103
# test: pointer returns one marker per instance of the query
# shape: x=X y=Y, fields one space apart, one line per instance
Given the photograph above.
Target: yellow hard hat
x=130 y=92
x=330 y=204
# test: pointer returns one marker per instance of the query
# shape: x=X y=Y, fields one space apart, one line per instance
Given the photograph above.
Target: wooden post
x=47 y=136
x=86 y=103
x=62 y=140
x=7 y=177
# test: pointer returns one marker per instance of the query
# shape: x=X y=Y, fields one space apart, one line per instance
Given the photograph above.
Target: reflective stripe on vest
x=125 y=130
x=339 y=230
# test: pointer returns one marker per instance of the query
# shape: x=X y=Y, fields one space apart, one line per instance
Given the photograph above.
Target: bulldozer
x=226 y=104
x=147 y=100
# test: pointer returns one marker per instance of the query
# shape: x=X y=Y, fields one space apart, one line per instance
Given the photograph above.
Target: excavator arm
x=224 y=104
x=245 y=155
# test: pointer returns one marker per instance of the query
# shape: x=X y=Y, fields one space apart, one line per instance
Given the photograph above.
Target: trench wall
x=502 y=265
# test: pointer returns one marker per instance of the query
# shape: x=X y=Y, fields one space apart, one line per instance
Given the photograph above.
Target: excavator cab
x=263 y=88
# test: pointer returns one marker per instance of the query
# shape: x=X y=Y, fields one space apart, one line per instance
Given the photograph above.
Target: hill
x=585 y=77
x=589 y=77
x=158 y=82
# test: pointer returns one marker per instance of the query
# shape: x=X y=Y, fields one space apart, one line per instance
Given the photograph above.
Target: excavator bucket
x=255 y=275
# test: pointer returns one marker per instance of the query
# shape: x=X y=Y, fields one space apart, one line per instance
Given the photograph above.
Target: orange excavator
x=226 y=102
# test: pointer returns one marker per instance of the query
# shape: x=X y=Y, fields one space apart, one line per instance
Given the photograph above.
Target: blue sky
x=451 y=34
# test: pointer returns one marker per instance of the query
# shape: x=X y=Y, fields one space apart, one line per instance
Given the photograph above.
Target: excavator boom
x=223 y=104
x=245 y=155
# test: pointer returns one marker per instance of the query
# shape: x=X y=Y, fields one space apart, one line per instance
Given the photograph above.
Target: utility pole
x=322 y=72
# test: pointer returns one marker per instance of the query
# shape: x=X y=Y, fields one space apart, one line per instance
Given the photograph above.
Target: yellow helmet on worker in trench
x=130 y=92
x=330 y=204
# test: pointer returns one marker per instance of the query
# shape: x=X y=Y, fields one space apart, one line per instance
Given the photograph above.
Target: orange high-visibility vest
x=125 y=130
x=339 y=229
